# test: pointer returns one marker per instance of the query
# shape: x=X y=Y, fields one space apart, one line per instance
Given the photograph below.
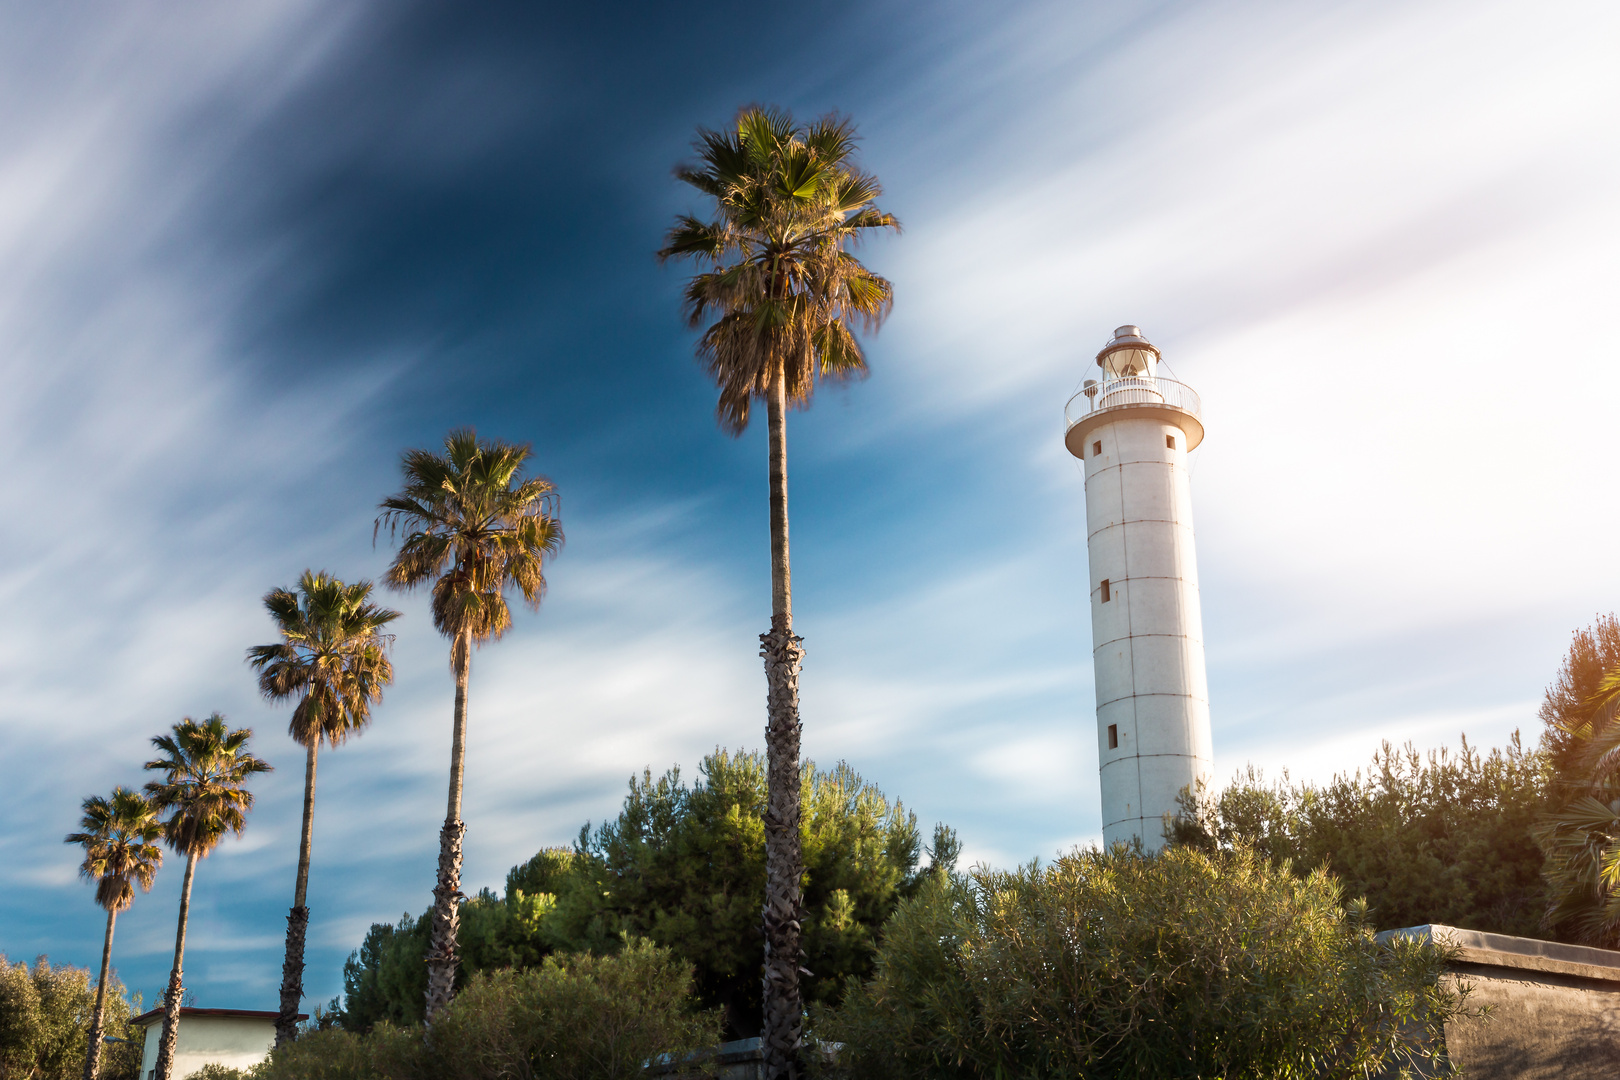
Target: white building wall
x=233 y=1041
x=1147 y=638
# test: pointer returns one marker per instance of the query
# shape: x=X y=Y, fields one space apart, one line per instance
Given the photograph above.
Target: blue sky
x=249 y=253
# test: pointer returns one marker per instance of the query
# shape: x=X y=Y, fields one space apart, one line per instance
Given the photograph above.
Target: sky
x=249 y=253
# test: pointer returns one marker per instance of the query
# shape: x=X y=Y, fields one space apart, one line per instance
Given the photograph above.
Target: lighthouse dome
x=1128 y=355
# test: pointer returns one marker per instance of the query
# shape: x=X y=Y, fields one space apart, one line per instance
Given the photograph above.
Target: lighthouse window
x=1170 y=441
x=1113 y=736
x=1096 y=448
x=1107 y=595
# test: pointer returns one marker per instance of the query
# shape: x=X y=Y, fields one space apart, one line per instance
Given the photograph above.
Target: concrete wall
x=1147 y=634
x=237 y=1042
x=1554 y=1009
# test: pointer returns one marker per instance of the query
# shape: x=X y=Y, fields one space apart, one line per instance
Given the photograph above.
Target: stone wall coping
x=1525 y=954
x=152 y=1016
x=730 y=1053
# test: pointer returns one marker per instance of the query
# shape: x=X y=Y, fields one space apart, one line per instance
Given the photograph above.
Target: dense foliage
x=682 y=865
x=45 y=1015
x=1119 y=964
x=386 y=980
x=1515 y=841
x=685 y=867
x=1580 y=832
x=1572 y=698
x=1437 y=838
x=579 y=1017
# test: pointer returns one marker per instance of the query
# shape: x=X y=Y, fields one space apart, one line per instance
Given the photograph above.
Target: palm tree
x=785 y=295
x=1581 y=837
x=1582 y=845
x=333 y=656
x=119 y=854
x=473 y=527
x=206 y=767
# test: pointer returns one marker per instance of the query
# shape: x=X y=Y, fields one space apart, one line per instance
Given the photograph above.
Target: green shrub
x=1118 y=964
x=386 y=979
x=45 y=1019
x=387 y=1052
x=682 y=865
x=215 y=1071
x=576 y=1017
x=1443 y=837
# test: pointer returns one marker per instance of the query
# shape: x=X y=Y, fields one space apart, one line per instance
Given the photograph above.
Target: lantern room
x=1128 y=355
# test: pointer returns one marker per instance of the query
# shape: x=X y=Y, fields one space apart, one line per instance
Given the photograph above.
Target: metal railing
x=1128 y=391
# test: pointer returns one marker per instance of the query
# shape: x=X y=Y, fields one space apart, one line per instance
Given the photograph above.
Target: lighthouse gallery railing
x=1128 y=391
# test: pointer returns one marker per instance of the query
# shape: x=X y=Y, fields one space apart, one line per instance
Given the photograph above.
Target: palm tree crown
x=332 y=652
x=120 y=851
x=783 y=287
x=207 y=767
x=474 y=527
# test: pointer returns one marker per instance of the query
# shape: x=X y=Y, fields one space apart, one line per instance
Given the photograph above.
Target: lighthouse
x=1132 y=428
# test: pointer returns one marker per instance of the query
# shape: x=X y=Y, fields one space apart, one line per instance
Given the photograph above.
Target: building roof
x=153 y=1016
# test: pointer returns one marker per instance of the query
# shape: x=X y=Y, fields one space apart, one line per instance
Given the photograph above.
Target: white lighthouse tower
x=1133 y=429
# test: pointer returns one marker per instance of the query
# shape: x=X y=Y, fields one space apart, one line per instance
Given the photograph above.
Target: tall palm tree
x=332 y=656
x=119 y=854
x=471 y=525
x=785 y=296
x=206 y=767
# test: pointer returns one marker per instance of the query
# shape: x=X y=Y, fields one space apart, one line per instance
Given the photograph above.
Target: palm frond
x=832 y=137
x=840 y=354
x=870 y=217
x=691 y=237
x=764 y=131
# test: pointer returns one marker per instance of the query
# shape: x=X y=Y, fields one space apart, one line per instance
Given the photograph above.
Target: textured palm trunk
x=784 y=1008
x=292 y=966
x=442 y=955
x=92 y=1052
x=171 y=996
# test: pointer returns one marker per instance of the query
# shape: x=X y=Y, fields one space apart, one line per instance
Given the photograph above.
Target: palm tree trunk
x=442 y=956
x=171 y=996
x=292 y=967
x=92 y=1052
x=783 y=653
